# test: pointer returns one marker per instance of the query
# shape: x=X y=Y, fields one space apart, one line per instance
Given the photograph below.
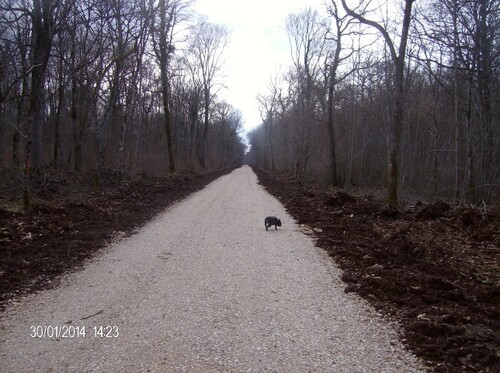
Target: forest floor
x=71 y=220
x=433 y=267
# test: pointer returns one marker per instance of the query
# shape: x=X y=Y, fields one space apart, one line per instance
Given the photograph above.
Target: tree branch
x=375 y=25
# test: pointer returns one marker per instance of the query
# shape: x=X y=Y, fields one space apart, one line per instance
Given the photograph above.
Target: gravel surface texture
x=205 y=288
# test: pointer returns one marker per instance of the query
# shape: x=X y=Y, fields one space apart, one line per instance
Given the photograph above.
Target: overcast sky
x=258 y=46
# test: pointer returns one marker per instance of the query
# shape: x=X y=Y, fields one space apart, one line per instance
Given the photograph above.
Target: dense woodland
x=124 y=85
x=396 y=94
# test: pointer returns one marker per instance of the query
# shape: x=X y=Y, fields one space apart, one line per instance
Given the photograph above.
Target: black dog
x=272 y=220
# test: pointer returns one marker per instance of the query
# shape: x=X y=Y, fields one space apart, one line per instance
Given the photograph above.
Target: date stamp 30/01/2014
x=74 y=331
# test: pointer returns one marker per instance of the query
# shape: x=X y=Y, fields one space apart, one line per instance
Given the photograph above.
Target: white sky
x=258 y=46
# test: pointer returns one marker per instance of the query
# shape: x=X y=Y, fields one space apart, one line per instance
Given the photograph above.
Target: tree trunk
x=42 y=24
x=168 y=131
x=331 y=135
x=164 y=49
x=396 y=124
x=458 y=136
x=485 y=73
x=60 y=104
x=15 y=148
x=77 y=141
x=270 y=136
x=332 y=81
x=206 y=96
x=194 y=150
x=41 y=46
x=395 y=130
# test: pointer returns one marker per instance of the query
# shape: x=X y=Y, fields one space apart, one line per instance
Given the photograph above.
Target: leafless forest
x=405 y=97
x=123 y=85
x=401 y=96
x=112 y=110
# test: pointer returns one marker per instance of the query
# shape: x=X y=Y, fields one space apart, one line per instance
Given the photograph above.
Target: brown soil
x=71 y=220
x=434 y=267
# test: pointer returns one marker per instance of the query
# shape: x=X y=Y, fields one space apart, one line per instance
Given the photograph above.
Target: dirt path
x=204 y=288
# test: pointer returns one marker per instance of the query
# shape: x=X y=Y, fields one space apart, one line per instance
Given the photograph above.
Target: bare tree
x=15 y=69
x=170 y=13
x=225 y=143
x=445 y=139
x=268 y=112
x=132 y=33
x=341 y=26
x=456 y=40
x=206 y=47
x=86 y=83
x=398 y=58
x=46 y=18
x=306 y=33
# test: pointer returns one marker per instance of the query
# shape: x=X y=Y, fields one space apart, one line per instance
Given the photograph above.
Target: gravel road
x=204 y=288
